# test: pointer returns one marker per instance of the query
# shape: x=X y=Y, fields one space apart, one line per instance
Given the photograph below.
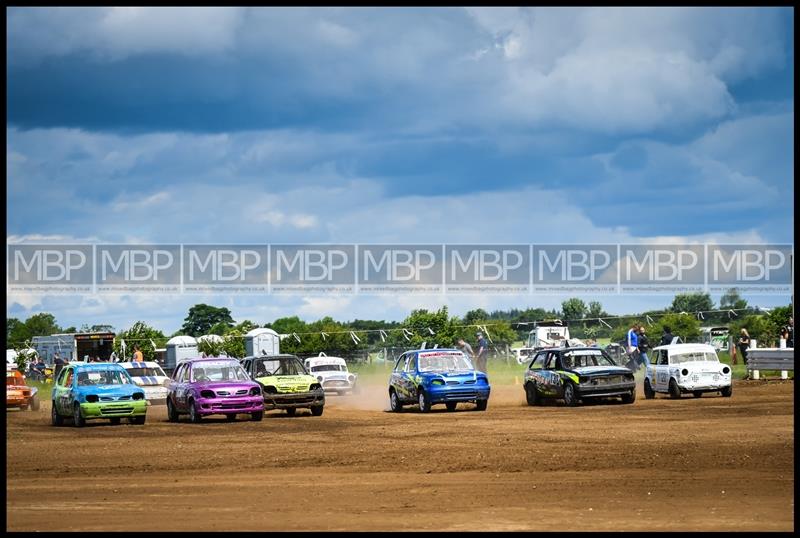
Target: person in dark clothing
x=58 y=363
x=666 y=337
x=644 y=346
x=483 y=353
x=744 y=343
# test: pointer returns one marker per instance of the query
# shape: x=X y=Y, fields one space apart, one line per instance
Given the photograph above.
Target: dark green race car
x=573 y=374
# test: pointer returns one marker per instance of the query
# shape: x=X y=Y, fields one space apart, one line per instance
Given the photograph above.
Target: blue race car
x=431 y=376
x=97 y=390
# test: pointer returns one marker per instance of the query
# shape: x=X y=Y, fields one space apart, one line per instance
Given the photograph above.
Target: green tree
x=595 y=310
x=731 y=299
x=573 y=309
x=761 y=328
x=692 y=302
x=142 y=335
x=687 y=326
x=202 y=317
x=479 y=314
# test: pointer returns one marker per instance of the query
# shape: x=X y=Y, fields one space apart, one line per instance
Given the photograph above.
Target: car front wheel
x=194 y=415
x=727 y=391
x=35 y=403
x=317 y=410
x=424 y=402
x=55 y=418
x=569 y=395
x=649 y=393
x=482 y=405
x=451 y=406
x=674 y=390
x=531 y=396
x=172 y=413
x=630 y=397
x=77 y=418
x=394 y=401
x=257 y=416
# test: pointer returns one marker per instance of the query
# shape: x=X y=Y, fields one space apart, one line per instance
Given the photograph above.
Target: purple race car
x=213 y=386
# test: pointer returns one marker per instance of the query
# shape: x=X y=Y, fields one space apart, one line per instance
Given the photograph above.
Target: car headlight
x=92 y=398
x=351 y=378
x=684 y=372
x=207 y=393
x=255 y=391
x=437 y=382
x=582 y=379
x=138 y=395
x=319 y=378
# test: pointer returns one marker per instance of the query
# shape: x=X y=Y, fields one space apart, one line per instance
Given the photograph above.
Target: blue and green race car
x=426 y=377
x=88 y=391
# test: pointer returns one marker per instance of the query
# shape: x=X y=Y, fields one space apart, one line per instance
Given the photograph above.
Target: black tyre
x=424 y=402
x=727 y=391
x=697 y=394
x=674 y=390
x=257 y=416
x=194 y=416
x=139 y=420
x=531 y=396
x=451 y=406
x=55 y=418
x=291 y=411
x=394 y=402
x=116 y=420
x=77 y=418
x=570 y=398
x=630 y=397
x=35 y=403
x=481 y=405
x=172 y=413
x=649 y=393
x=317 y=410
x=230 y=417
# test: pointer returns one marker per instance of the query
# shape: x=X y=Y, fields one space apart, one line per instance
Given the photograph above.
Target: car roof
x=139 y=364
x=208 y=359
x=434 y=350
x=324 y=360
x=99 y=366
x=687 y=347
x=278 y=356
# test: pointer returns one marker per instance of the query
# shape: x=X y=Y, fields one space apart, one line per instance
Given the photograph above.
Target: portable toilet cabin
x=180 y=348
x=260 y=342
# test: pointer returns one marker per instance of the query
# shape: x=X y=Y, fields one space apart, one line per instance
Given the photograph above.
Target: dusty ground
x=697 y=464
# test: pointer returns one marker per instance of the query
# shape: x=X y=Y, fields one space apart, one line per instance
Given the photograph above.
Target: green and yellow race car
x=286 y=384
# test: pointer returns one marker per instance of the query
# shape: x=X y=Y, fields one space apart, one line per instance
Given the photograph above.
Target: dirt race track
x=696 y=464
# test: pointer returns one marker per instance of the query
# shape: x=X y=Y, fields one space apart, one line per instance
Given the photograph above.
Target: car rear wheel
x=569 y=395
x=139 y=420
x=172 y=413
x=230 y=417
x=697 y=394
x=674 y=390
x=424 y=402
x=482 y=405
x=116 y=420
x=394 y=401
x=649 y=393
x=257 y=416
x=291 y=411
x=77 y=418
x=317 y=410
x=55 y=418
x=451 y=406
x=531 y=396
x=35 y=403
x=727 y=391
x=630 y=397
x=194 y=416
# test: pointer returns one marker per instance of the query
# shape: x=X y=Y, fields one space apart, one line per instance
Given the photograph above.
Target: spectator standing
x=787 y=333
x=744 y=343
x=644 y=345
x=666 y=336
x=632 y=345
x=465 y=347
x=483 y=353
x=137 y=354
x=58 y=364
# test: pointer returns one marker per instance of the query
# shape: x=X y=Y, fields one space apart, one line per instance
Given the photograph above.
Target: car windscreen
x=328 y=368
x=12 y=379
x=103 y=377
x=145 y=372
x=219 y=371
x=444 y=362
x=586 y=357
x=278 y=366
x=693 y=356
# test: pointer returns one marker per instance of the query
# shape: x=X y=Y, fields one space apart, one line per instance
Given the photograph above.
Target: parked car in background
x=88 y=391
x=18 y=393
x=332 y=373
x=573 y=374
x=678 y=369
x=427 y=377
x=213 y=386
x=151 y=378
x=286 y=384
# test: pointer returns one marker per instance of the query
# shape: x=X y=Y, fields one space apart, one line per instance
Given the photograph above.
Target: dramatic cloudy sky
x=393 y=125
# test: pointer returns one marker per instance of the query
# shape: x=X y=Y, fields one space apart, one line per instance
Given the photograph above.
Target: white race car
x=332 y=373
x=686 y=368
x=151 y=378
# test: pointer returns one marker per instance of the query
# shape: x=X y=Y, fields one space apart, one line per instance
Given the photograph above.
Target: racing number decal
x=661 y=377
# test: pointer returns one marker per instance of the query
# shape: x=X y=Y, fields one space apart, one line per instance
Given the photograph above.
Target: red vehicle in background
x=18 y=393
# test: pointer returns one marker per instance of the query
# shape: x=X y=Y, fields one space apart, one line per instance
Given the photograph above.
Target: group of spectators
x=637 y=344
x=786 y=334
x=480 y=358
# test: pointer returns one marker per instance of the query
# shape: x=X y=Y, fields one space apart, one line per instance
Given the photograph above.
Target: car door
x=182 y=377
x=551 y=385
x=396 y=379
x=535 y=374
x=61 y=392
x=662 y=371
